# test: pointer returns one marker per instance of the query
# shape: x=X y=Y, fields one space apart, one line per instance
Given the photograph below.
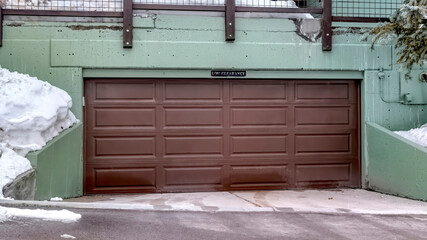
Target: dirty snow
x=416 y=135
x=32 y=112
x=11 y=165
x=48 y=215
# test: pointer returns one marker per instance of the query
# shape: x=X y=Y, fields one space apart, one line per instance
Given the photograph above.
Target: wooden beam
x=327 y=26
x=359 y=19
x=230 y=15
x=1 y=26
x=55 y=13
x=127 y=23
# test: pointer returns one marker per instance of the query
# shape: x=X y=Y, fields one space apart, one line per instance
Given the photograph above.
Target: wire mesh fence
x=65 y=5
x=365 y=8
x=117 y=5
x=240 y=3
x=341 y=8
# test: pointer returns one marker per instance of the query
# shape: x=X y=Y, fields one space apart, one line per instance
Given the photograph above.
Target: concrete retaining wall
x=396 y=165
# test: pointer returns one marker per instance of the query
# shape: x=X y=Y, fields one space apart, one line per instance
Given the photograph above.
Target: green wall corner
x=59 y=165
x=396 y=165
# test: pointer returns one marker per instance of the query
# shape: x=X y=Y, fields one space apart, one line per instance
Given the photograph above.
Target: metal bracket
x=327 y=25
x=127 y=23
x=230 y=14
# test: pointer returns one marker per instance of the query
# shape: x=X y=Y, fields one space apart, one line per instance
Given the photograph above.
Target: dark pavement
x=152 y=225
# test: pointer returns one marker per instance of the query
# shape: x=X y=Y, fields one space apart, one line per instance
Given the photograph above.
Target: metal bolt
x=327 y=34
x=230 y=35
x=127 y=43
x=127 y=30
x=230 y=24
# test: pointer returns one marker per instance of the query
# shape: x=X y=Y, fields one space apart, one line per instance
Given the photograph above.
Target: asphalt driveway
x=152 y=225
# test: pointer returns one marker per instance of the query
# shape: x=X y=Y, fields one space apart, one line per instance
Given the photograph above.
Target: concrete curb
x=193 y=208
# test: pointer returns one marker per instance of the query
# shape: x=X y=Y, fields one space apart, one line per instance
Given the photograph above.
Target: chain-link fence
x=340 y=8
x=117 y=5
x=65 y=5
x=365 y=8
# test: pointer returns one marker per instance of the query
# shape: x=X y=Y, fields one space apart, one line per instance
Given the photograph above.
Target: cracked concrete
x=341 y=201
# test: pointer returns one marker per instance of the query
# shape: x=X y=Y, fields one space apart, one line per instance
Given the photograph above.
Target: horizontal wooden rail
x=222 y=8
x=22 y=12
x=359 y=19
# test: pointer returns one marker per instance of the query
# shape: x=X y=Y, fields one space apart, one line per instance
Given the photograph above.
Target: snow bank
x=416 y=135
x=48 y=215
x=32 y=112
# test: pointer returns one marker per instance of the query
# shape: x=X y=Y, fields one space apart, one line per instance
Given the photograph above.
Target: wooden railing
x=125 y=9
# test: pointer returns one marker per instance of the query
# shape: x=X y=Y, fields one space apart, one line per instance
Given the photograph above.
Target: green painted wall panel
x=391 y=115
x=396 y=166
x=59 y=165
x=177 y=55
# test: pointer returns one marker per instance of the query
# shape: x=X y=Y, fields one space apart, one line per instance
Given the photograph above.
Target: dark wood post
x=1 y=26
x=327 y=25
x=230 y=14
x=127 y=23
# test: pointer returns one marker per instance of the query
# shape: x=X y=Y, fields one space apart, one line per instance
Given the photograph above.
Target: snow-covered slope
x=32 y=112
x=416 y=135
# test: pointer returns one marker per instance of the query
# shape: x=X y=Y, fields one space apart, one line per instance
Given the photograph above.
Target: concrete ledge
x=395 y=165
x=59 y=165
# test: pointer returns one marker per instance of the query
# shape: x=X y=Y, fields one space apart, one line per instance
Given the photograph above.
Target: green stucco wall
x=189 y=46
x=59 y=166
x=396 y=166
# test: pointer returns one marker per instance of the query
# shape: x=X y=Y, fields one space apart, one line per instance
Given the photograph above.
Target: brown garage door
x=145 y=135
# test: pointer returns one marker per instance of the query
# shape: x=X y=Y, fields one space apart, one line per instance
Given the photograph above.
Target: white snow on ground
x=48 y=215
x=416 y=135
x=68 y=236
x=11 y=165
x=56 y=199
x=32 y=112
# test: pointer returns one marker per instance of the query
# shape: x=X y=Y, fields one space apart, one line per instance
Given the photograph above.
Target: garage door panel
x=258 y=117
x=323 y=144
x=193 y=146
x=193 y=175
x=249 y=175
x=331 y=91
x=317 y=173
x=315 y=116
x=258 y=91
x=170 y=135
x=258 y=144
x=123 y=177
x=124 y=117
x=184 y=117
x=141 y=146
x=177 y=91
x=125 y=91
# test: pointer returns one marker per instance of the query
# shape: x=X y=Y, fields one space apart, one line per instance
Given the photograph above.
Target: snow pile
x=11 y=165
x=48 y=215
x=32 y=112
x=416 y=135
x=56 y=199
x=68 y=236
